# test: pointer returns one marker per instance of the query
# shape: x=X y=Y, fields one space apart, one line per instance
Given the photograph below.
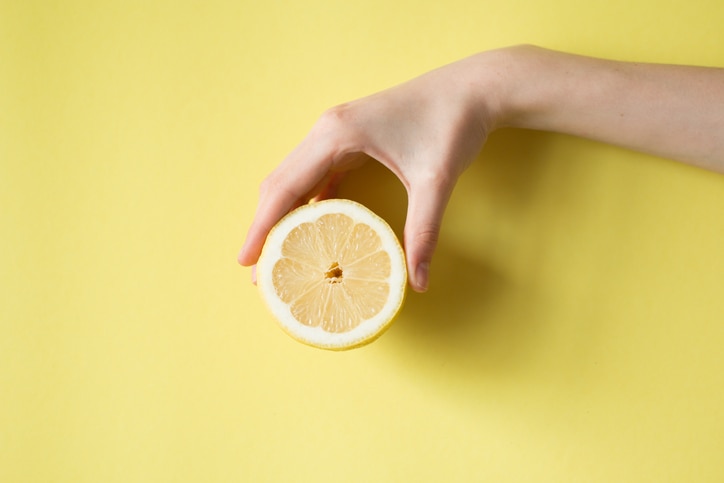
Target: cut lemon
x=333 y=274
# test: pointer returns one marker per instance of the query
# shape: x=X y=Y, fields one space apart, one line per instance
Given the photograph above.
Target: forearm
x=666 y=110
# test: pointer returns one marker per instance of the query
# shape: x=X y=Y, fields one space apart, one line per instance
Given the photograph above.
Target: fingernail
x=421 y=276
x=253 y=274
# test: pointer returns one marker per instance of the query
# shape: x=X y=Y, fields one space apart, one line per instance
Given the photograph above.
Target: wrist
x=515 y=87
x=499 y=85
x=488 y=77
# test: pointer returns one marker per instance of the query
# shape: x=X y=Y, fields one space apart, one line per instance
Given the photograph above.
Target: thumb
x=425 y=210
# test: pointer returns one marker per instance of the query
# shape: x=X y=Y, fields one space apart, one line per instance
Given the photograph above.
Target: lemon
x=333 y=274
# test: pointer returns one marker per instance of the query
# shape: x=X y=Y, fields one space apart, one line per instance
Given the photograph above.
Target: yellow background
x=575 y=322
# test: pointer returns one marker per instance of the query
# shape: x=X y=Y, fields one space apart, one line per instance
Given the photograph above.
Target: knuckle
x=337 y=113
x=335 y=120
x=439 y=180
x=335 y=133
x=275 y=186
x=427 y=236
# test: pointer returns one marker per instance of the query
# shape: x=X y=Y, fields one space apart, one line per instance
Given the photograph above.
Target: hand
x=426 y=131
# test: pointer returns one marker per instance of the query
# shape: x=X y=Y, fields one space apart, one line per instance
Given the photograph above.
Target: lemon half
x=333 y=274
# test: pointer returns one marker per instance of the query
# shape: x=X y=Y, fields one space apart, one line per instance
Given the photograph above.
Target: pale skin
x=428 y=130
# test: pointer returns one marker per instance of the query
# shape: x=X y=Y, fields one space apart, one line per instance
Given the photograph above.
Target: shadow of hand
x=473 y=315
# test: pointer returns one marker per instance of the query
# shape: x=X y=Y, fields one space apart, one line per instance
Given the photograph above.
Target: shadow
x=508 y=315
x=457 y=314
x=509 y=169
x=475 y=317
x=378 y=189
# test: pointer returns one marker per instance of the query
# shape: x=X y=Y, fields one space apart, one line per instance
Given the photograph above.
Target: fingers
x=425 y=210
x=292 y=183
x=325 y=189
x=279 y=194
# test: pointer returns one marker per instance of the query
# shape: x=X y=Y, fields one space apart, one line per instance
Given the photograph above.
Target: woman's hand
x=426 y=131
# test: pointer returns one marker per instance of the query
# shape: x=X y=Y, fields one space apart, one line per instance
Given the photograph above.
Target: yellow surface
x=575 y=322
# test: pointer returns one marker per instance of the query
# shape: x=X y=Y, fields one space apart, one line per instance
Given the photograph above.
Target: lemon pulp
x=333 y=273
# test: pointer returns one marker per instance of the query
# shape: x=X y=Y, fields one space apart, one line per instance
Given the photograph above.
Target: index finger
x=285 y=188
